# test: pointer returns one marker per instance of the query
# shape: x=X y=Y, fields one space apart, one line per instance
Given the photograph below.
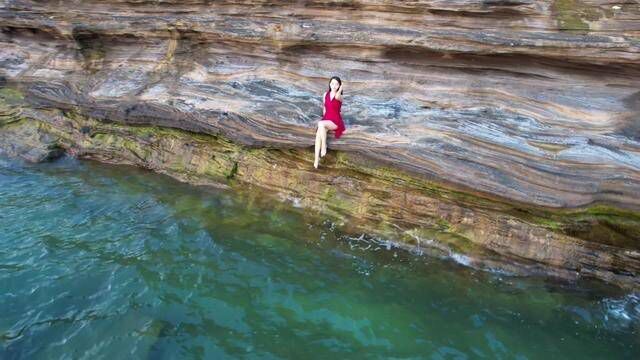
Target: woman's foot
x=315 y=164
x=323 y=152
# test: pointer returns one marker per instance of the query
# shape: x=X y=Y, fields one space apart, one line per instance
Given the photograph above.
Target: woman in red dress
x=331 y=119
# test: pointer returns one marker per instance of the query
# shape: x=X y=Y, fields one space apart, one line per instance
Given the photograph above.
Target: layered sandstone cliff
x=527 y=110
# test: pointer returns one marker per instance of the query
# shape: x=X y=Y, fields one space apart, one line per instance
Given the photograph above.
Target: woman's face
x=334 y=84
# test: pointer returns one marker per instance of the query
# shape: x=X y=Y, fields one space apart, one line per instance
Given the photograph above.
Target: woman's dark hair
x=339 y=82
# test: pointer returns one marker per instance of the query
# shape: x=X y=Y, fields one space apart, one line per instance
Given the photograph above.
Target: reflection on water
x=118 y=262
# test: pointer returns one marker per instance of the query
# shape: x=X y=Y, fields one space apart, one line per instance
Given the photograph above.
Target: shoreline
x=376 y=199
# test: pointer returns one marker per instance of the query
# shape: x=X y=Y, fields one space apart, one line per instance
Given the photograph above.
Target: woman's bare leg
x=318 y=144
x=323 y=144
x=328 y=125
x=323 y=147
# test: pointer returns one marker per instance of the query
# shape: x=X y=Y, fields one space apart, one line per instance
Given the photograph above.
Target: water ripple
x=114 y=262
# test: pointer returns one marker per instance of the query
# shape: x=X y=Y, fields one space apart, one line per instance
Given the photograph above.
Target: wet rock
x=29 y=144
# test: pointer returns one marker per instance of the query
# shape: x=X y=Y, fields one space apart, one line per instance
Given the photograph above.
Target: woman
x=331 y=119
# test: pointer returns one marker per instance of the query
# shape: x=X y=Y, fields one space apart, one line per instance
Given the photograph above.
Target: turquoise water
x=100 y=261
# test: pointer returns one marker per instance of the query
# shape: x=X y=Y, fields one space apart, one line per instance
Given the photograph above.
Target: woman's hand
x=339 y=92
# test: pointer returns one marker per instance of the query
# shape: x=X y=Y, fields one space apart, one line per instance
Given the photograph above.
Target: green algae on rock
x=573 y=14
x=359 y=194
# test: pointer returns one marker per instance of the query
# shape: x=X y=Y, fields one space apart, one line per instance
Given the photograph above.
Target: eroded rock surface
x=524 y=102
x=536 y=101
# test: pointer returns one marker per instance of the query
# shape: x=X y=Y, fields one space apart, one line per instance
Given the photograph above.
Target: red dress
x=332 y=112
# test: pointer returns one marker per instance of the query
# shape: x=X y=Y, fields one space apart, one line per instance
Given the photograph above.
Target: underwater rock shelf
x=505 y=130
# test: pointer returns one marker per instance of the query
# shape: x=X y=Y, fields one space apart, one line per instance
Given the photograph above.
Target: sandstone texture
x=510 y=126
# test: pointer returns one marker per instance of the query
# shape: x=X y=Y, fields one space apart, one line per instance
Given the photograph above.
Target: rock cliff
x=514 y=125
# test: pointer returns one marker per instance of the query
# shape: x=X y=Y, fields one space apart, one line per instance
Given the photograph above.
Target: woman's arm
x=339 y=92
x=324 y=110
